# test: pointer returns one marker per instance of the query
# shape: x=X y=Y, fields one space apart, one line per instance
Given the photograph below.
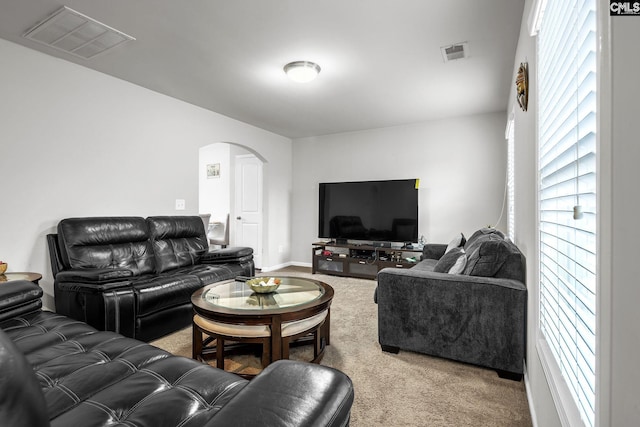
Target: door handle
x=238 y=217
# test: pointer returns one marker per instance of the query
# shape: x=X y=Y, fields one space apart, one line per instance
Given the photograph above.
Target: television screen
x=369 y=210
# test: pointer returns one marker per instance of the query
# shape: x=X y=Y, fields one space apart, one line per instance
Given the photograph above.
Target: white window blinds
x=567 y=190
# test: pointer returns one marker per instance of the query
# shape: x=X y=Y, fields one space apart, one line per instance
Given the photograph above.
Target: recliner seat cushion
x=208 y=274
x=228 y=254
x=173 y=288
x=106 y=243
x=155 y=293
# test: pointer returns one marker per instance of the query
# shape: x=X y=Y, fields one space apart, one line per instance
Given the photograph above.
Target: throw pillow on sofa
x=460 y=264
x=456 y=242
x=452 y=262
x=486 y=256
x=480 y=235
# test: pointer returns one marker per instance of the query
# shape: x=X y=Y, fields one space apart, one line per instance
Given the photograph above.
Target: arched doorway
x=228 y=187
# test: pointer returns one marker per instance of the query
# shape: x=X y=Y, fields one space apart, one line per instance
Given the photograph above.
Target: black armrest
x=472 y=319
x=54 y=254
x=22 y=402
x=221 y=256
x=292 y=394
x=19 y=297
x=94 y=275
x=433 y=250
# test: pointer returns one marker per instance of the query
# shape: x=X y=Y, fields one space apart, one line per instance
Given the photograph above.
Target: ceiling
x=381 y=60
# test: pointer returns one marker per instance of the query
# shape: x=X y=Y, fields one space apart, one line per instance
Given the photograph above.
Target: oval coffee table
x=32 y=277
x=231 y=311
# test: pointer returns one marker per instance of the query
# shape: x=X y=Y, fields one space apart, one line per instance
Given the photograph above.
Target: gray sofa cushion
x=425 y=265
x=433 y=250
x=491 y=254
x=483 y=232
x=486 y=256
x=449 y=259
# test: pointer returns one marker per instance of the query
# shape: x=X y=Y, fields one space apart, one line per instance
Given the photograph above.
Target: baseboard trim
x=284 y=265
x=527 y=388
x=274 y=267
x=301 y=264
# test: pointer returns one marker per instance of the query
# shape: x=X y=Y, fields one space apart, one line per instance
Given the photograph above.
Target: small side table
x=32 y=277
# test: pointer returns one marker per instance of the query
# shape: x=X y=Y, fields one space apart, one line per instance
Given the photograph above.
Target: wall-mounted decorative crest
x=522 y=85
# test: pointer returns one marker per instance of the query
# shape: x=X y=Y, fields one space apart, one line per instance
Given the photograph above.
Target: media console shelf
x=354 y=260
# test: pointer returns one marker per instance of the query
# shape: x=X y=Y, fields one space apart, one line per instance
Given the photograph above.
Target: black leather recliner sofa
x=135 y=276
x=56 y=371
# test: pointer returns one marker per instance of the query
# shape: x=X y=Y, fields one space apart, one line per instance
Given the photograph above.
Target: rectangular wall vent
x=75 y=33
x=455 y=51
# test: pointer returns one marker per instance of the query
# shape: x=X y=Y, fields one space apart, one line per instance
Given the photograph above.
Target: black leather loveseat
x=135 y=276
x=56 y=371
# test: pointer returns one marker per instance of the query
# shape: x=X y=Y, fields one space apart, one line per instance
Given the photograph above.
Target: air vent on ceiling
x=77 y=34
x=455 y=51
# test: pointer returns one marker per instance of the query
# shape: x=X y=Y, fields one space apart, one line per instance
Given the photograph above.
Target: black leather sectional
x=135 y=276
x=60 y=372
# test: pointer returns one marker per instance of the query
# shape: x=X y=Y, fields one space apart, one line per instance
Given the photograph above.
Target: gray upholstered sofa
x=472 y=311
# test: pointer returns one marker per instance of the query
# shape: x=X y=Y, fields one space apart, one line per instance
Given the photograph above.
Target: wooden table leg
x=266 y=353
x=196 y=346
x=317 y=341
x=220 y=353
x=326 y=328
x=276 y=338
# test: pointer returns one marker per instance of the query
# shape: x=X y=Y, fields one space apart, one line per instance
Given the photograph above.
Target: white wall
x=525 y=151
x=625 y=289
x=618 y=376
x=461 y=164
x=215 y=193
x=75 y=142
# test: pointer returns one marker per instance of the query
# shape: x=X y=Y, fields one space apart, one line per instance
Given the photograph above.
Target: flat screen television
x=382 y=211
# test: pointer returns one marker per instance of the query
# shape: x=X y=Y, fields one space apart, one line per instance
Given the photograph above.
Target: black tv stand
x=358 y=260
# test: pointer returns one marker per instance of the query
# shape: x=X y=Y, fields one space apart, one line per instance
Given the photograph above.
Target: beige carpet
x=405 y=389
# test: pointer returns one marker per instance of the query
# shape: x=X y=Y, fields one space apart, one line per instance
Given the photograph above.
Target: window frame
x=564 y=401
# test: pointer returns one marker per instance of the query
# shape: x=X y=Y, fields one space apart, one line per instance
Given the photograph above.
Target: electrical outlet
x=180 y=204
x=280 y=249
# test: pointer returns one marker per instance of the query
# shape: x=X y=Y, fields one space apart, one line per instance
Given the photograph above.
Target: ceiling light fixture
x=302 y=71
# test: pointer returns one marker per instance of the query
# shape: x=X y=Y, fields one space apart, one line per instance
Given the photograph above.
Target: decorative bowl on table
x=3 y=267
x=264 y=285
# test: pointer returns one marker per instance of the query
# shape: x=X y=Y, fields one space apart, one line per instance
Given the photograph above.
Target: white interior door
x=248 y=205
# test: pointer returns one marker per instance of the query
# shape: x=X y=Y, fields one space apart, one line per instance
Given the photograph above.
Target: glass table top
x=292 y=291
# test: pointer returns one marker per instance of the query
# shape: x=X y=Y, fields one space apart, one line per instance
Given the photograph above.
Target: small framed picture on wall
x=213 y=170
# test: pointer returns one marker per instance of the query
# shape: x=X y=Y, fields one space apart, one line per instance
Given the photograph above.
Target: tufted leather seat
x=96 y=378
x=135 y=276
